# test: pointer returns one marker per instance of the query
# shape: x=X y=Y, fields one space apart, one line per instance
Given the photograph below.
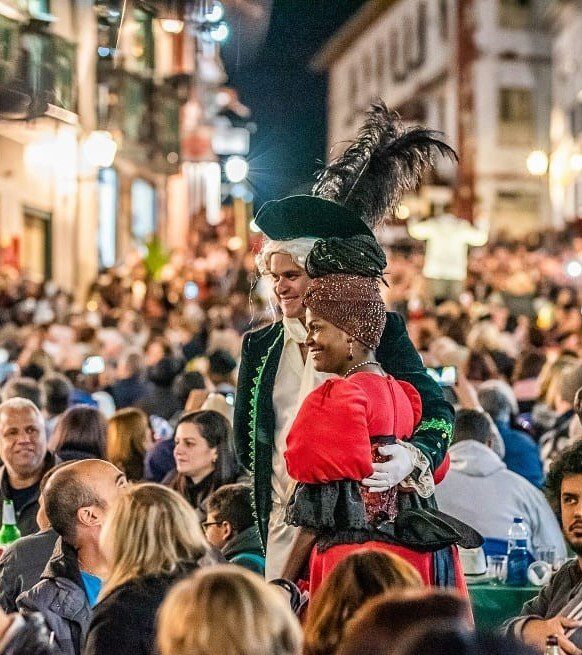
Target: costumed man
x=353 y=194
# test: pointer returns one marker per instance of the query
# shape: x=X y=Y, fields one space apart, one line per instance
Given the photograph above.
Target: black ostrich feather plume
x=384 y=162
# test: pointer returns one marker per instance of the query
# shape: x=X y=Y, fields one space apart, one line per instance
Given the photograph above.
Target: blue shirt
x=92 y=586
x=522 y=454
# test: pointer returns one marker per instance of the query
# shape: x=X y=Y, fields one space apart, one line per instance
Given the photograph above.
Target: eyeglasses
x=205 y=526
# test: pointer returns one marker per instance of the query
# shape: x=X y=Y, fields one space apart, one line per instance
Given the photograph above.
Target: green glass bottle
x=9 y=531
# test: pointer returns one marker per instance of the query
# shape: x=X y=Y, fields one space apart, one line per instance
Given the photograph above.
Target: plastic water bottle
x=517 y=557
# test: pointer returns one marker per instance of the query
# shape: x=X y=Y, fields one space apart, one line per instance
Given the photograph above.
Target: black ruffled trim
x=336 y=512
x=336 y=506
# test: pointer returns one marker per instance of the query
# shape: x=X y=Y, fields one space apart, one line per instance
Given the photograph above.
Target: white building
x=566 y=123
x=479 y=70
x=64 y=212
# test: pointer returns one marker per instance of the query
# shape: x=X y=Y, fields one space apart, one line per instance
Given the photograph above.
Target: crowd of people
x=195 y=455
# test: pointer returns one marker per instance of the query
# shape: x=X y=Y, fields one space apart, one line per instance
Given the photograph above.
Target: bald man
x=77 y=498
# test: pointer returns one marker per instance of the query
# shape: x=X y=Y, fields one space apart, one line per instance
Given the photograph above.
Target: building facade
x=478 y=70
x=108 y=116
x=565 y=172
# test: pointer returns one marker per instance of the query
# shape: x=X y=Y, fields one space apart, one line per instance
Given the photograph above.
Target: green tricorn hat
x=306 y=216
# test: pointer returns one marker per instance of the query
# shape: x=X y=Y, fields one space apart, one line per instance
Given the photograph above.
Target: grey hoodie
x=479 y=490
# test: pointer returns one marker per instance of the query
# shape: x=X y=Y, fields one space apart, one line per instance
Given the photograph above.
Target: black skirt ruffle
x=336 y=512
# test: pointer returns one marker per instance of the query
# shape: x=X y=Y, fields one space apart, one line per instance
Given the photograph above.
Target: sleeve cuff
x=420 y=479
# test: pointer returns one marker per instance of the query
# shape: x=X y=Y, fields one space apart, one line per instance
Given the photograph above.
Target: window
x=444 y=19
x=515 y=14
x=408 y=46
x=422 y=33
x=380 y=62
x=516 y=117
x=517 y=208
x=107 y=230
x=576 y=120
x=142 y=43
x=367 y=66
x=39 y=7
x=395 y=62
x=143 y=210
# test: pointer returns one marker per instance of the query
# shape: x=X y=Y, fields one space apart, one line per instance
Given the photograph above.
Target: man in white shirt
x=445 y=261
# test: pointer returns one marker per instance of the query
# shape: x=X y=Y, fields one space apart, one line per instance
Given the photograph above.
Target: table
x=493 y=604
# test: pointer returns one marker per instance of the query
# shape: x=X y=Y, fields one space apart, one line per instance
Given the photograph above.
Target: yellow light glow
x=403 y=212
x=576 y=162
x=172 y=26
x=537 y=163
x=100 y=149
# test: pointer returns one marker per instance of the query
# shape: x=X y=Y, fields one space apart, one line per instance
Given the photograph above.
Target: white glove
x=388 y=474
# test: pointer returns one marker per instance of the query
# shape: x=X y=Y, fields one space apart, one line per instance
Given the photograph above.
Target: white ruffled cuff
x=422 y=481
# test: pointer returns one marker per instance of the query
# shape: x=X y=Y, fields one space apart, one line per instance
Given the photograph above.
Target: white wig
x=297 y=249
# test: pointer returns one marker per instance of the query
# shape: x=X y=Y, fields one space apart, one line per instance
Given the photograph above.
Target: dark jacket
x=254 y=416
x=159 y=461
x=26 y=515
x=30 y=637
x=127 y=392
x=60 y=597
x=125 y=620
x=522 y=454
x=160 y=401
x=22 y=565
x=245 y=549
x=564 y=586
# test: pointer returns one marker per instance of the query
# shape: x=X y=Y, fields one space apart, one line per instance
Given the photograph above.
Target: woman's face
x=328 y=345
x=193 y=455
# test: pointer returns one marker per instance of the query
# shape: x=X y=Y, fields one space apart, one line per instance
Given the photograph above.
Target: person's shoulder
x=395 y=321
x=266 y=334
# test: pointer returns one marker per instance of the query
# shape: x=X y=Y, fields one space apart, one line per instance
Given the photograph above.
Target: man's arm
x=533 y=626
x=242 y=407
x=9 y=582
x=399 y=357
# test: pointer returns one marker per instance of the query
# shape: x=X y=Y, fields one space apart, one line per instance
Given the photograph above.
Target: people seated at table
x=522 y=455
x=481 y=491
x=554 y=440
x=547 y=613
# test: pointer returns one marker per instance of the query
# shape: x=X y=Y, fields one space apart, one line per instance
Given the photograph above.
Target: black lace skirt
x=337 y=514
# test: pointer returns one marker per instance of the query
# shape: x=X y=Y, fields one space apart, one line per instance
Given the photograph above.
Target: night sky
x=287 y=100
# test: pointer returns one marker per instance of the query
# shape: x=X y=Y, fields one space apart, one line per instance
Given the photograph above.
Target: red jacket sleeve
x=329 y=439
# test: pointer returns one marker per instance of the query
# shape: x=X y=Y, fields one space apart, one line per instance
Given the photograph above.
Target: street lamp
x=236 y=169
x=214 y=12
x=99 y=149
x=219 y=33
x=172 y=25
x=537 y=163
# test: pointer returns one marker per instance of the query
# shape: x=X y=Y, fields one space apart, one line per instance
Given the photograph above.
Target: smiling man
x=276 y=372
x=23 y=451
x=353 y=195
x=548 y=613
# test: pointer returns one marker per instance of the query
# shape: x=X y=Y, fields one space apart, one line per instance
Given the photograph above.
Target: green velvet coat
x=254 y=415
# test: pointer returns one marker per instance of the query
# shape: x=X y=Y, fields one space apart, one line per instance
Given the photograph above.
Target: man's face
x=22 y=442
x=289 y=284
x=571 y=507
x=106 y=481
x=217 y=532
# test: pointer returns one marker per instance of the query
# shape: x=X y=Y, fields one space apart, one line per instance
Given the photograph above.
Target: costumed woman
x=353 y=196
x=341 y=425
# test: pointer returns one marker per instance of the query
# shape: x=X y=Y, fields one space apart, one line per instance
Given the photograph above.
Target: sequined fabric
x=352 y=303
